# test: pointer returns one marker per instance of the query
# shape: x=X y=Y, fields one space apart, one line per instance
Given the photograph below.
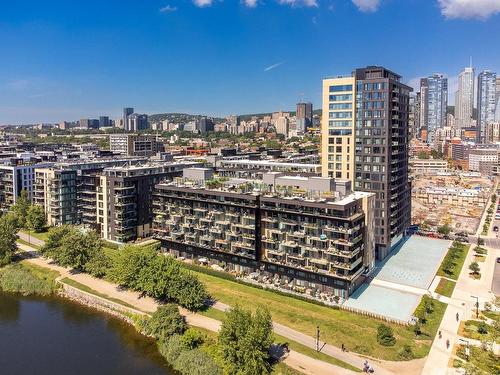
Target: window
x=334 y=106
x=340 y=115
x=339 y=123
x=338 y=88
x=340 y=98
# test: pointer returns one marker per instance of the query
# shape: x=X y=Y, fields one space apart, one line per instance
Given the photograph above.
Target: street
x=495 y=285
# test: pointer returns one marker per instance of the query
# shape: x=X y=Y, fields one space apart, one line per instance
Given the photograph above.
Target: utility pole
x=317 y=338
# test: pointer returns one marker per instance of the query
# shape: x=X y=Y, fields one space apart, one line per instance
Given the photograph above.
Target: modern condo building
x=365 y=140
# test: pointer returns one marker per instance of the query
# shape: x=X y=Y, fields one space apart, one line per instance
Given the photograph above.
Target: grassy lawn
x=41 y=272
x=445 y=287
x=481 y=359
x=220 y=315
x=43 y=236
x=356 y=332
x=87 y=289
x=469 y=329
x=454 y=261
x=27 y=243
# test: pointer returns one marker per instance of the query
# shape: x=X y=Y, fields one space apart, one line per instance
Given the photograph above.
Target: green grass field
x=356 y=332
x=87 y=289
x=445 y=287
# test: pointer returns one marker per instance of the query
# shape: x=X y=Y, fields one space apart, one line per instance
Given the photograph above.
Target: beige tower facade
x=337 y=128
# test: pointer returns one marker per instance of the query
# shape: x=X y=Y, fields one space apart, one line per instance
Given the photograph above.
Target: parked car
x=495 y=229
x=498 y=260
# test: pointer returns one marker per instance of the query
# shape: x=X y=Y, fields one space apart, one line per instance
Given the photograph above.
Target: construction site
x=456 y=200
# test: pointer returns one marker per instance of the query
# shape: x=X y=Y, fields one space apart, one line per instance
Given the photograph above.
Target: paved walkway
x=30 y=239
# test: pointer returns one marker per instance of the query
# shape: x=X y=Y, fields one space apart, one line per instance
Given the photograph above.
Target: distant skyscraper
x=136 y=122
x=486 y=92
x=126 y=112
x=304 y=116
x=434 y=90
x=103 y=121
x=84 y=123
x=364 y=136
x=497 y=99
x=464 y=98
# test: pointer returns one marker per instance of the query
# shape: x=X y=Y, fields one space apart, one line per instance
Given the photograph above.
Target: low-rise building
x=135 y=145
x=428 y=166
x=256 y=168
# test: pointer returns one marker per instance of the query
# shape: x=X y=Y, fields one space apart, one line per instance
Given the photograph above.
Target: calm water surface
x=54 y=336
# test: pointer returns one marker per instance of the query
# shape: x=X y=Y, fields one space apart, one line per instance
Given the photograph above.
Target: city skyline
x=58 y=54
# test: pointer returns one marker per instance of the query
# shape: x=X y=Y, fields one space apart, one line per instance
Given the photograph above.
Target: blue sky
x=72 y=59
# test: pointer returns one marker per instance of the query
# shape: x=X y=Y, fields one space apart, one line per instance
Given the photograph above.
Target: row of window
x=339 y=132
x=339 y=124
x=341 y=98
x=344 y=114
x=338 y=88
x=371 y=86
x=334 y=106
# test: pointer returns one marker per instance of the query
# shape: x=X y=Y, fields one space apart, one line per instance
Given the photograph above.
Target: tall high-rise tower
x=497 y=100
x=435 y=92
x=464 y=98
x=486 y=101
x=127 y=111
x=304 y=116
x=365 y=139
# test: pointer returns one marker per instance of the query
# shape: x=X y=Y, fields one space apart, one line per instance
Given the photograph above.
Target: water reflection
x=54 y=336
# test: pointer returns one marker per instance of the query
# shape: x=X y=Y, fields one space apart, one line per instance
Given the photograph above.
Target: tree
x=193 y=293
x=165 y=322
x=20 y=208
x=474 y=267
x=35 y=218
x=98 y=265
x=244 y=342
x=128 y=263
x=385 y=335
x=192 y=338
x=444 y=229
x=77 y=248
x=8 y=239
x=54 y=239
x=423 y=155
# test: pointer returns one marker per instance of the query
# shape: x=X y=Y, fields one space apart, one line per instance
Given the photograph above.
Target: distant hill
x=178 y=118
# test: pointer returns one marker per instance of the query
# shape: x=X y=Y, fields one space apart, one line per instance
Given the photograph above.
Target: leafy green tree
x=444 y=229
x=193 y=293
x=474 y=268
x=128 y=263
x=98 y=265
x=20 y=208
x=482 y=328
x=8 y=239
x=35 y=218
x=165 y=322
x=385 y=335
x=77 y=248
x=244 y=342
x=54 y=240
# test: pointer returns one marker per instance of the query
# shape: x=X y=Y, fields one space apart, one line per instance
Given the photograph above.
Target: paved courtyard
x=384 y=301
x=414 y=263
x=401 y=279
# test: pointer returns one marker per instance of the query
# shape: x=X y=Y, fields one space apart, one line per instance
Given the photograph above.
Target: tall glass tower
x=486 y=101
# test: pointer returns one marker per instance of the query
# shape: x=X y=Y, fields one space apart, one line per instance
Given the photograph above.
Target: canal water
x=55 y=336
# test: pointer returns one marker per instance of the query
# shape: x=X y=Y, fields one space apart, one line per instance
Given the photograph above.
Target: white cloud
x=274 y=66
x=481 y=9
x=299 y=3
x=367 y=5
x=202 y=3
x=250 y=3
x=168 y=9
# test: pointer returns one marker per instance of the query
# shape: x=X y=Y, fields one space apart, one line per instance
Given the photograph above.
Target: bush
x=171 y=348
x=482 y=328
x=192 y=339
x=165 y=322
x=196 y=362
x=406 y=353
x=385 y=335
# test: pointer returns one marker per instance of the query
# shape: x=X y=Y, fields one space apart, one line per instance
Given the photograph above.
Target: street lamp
x=477 y=306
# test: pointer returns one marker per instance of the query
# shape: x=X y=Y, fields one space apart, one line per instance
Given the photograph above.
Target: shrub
x=482 y=328
x=385 y=335
x=406 y=353
x=192 y=338
x=196 y=362
x=171 y=348
x=165 y=322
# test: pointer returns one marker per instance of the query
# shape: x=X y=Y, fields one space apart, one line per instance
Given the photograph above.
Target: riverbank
x=298 y=361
